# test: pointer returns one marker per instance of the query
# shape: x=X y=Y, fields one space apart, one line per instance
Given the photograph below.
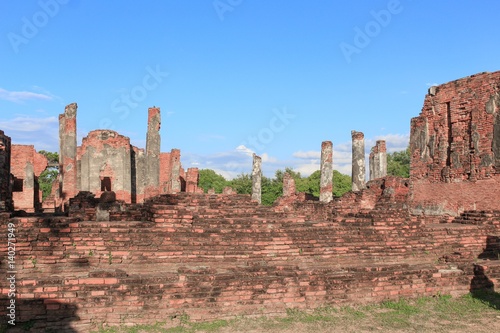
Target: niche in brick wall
x=106 y=184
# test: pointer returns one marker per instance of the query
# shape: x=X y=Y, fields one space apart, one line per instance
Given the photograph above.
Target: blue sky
x=234 y=77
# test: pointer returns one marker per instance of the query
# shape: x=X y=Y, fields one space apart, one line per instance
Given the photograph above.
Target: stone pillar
x=358 y=161
x=153 y=141
x=67 y=155
x=257 y=179
x=175 y=162
x=288 y=185
x=378 y=160
x=326 y=180
x=5 y=180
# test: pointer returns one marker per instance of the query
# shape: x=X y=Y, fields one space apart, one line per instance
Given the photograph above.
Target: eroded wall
x=455 y=147
x=106 y=164
x=26 y=167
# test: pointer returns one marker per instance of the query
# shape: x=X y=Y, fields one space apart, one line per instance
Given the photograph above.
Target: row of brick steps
x=478 y=217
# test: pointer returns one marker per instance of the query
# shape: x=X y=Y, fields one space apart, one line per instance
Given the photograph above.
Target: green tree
x=398 y=163
x=45 y=181
x=341 y=183
x=242 y=183
x=51 y=157
x=272 y=188
x=210 y=179
x=48 y=176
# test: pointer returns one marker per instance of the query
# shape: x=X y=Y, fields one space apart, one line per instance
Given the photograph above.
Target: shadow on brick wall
x=38 y=315
x=482 y=285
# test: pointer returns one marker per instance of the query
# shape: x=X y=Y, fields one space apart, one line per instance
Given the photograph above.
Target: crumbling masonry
x=455 y=147
x=378 y=160
x=326 y=169
x=106 y=161
x=358 y=161
x=221 y=255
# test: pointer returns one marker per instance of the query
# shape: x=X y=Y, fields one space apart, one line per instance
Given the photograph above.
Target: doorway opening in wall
x=18 y=185
x=106 y=184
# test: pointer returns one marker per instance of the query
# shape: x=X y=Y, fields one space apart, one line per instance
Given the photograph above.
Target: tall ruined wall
x=455 y=147
x=170 y=172
x=5 y=179
x=26 y=166
x=106 y=164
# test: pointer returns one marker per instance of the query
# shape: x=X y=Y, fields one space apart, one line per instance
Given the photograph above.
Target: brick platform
x=213 y=256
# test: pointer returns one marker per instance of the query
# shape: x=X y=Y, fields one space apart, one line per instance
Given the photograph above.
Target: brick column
x=378 y=160
x=288 y=185
x=192 y=180
x=257 y=179
x=358 y=161
x=153 y=141
x=67 y=155
x=175 y=162
x=326 y=180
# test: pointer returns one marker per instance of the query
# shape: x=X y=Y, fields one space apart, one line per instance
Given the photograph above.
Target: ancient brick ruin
x=378 y=160
x=220 y=255
x=455 y=146
x=106 y=161
x=26 y=167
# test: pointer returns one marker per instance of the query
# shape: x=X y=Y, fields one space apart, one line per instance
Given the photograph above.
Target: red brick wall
x=452 y=138
x=165 y=172
x=213 y=256
x=27 y=165
x=192 y=180
x=453 y=141
x=170 y=171
x=106 y=153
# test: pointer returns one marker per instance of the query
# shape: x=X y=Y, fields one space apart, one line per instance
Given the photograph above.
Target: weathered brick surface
x=26 y=167
x=326 y=169
x=192 y=176
x=378 y=160
x=106 y=154
x=455 y=147
x=68 y=166
x=222 y=255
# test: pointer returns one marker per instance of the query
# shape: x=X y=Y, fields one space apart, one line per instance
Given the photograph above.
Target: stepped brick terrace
x=135 y=249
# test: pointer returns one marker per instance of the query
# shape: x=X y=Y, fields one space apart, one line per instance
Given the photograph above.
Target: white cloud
x=394 y=142
x=41 y=132
x=307 y=154
x=245 y=150
x=20 y=96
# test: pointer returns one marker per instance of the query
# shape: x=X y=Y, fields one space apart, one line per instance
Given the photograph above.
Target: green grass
x=440 y=313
